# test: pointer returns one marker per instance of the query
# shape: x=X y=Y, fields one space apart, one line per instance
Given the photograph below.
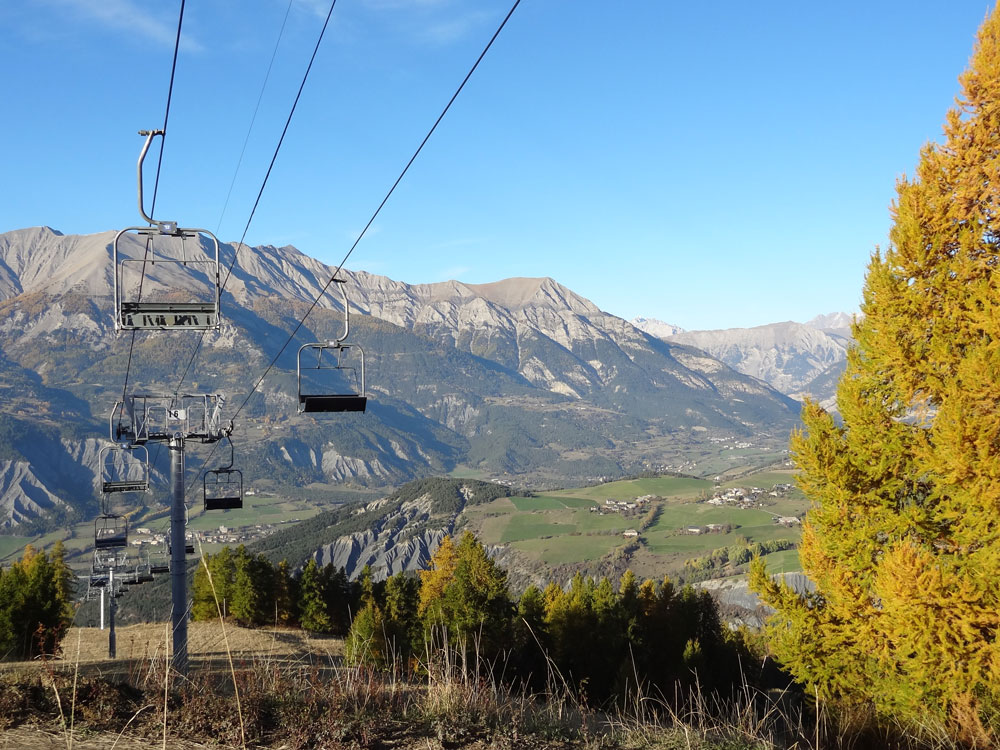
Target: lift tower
x=172 y=284
x=173 y=419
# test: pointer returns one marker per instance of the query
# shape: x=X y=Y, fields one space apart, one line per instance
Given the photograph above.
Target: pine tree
x=285 y=595
x=313 y=615
x=203 y=606
x=249 y=588
x=35 y=604
x=366 y=643
x=903 y=541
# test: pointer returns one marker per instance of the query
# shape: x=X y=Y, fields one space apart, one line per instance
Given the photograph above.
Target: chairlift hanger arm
x=167 y=227
x=347 y=311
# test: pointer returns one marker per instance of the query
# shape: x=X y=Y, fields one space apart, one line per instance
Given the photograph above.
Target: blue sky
x=712 y=165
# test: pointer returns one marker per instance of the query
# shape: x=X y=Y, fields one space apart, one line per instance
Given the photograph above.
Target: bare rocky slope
x=798 y=359
x=521 y=378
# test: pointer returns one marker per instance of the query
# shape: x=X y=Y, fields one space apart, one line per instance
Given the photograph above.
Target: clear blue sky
x=709 y=164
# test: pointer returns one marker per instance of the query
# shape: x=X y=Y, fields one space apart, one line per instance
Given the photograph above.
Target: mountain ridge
x=518 y=378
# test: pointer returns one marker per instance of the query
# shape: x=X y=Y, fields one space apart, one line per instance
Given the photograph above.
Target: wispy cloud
x=318 y=8
x=435 y=22
x=453 y=29
x=453 y=273
x=132 y=17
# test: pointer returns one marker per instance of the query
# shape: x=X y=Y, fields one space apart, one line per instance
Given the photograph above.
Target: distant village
x=146 y=537
x=740 y=497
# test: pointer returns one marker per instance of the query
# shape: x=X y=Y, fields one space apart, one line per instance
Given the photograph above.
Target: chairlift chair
x=188 y=548
x=98 y=580
x=164 y=313
x=110 y=532
x=143 y=573
x=223 y=487
x=333 y=357
x=159 y=563
x=124 y=468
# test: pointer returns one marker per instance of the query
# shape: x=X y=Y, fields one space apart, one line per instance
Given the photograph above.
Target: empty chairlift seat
x=165 y=277
x=331 y=375
x=124 y=468
x=110 y=532
x=223 y=489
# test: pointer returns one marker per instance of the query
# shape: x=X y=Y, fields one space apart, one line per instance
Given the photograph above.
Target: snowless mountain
x=797 y=359
x=787 y=355
x=520 y=378
x=657 y=328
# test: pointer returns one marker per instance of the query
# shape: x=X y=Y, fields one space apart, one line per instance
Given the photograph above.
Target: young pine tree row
x=253 y=592
x=602 y=640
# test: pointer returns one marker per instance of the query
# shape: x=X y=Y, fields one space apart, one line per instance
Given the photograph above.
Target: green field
x=786 y=561
x=256 y=509
x=569 y=549
x=560 y=526
x=13 y=546
x=764 y=479
x=626 y=489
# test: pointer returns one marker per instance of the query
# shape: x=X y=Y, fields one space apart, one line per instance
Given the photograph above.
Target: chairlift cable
x=156 y=183
x=253 y=118
x=361 y=235
x=260 y=193
x=381 y=205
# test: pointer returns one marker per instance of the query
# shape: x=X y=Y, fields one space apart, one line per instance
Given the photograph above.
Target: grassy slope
x=560 y=528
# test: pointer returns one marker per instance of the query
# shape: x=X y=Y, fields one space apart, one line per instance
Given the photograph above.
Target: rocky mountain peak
x=655 y=327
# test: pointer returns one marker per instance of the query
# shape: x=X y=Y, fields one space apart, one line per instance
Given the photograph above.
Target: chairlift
x=334 y=358
x=110 y=532
x=124 y=468
x=223 y=487
x=110 y=559
x=167 y=312
x=143 y=573
x=158 y=562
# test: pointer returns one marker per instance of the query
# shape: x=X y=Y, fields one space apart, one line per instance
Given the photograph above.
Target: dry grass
x=88 y=647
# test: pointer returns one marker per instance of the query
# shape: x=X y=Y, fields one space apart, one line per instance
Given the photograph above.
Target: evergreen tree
x=903 y=542
x=402 y=624
x=366 y=642
x=253 y=589
x=313 y=615
x=285 y=596
x=35 y=604
x=203 y=606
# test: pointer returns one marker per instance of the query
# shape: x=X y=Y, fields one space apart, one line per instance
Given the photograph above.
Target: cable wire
x=156 y=183
x=381 y=205
x=260 y=193
x=253 y=119
x=367 y=226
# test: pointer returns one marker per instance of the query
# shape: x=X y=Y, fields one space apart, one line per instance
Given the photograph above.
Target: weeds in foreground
x=450 y=699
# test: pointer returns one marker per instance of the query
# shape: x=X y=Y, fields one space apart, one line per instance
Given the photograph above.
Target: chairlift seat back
x=223 y=489
x=110 y=532
x=333 y=402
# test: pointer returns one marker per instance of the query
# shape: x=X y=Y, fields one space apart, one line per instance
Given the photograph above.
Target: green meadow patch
x=562 y=527
x=627 y=489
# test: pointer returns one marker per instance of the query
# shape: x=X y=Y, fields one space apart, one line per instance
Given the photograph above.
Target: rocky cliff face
x=521 y=377
x=403 y=539
x=797 y=359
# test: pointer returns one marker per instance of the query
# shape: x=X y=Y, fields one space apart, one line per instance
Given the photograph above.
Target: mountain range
x=798 y=359
x=520 y=379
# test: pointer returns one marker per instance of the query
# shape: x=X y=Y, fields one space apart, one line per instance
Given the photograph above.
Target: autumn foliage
x=903 y=540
